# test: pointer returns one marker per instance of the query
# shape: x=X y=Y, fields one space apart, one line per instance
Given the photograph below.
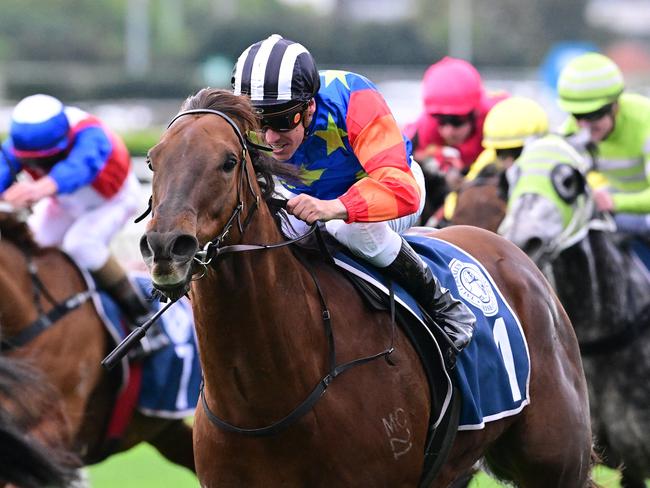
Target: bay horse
x=259 y=320
x=604 y=288
x=481 y=202
x=34 y=281
x=32 y=452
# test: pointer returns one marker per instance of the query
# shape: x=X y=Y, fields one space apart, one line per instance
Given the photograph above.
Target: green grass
x=143 y=467
x=140 y=467
x=605 y=477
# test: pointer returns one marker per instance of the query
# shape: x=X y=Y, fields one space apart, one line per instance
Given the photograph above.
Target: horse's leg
x=171 y=437
x=175 y=443
x=543 y=449
x=631 y=480
x=464 y=480
x=468 y=447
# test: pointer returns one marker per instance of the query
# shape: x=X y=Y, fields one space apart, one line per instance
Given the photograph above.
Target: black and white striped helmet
x=276 y=73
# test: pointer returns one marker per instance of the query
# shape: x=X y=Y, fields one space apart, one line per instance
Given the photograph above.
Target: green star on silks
x=334 y=74
x=333 y=135
x=307 y=176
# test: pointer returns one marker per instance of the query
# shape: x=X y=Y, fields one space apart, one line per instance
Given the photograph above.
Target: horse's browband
x=198 y=111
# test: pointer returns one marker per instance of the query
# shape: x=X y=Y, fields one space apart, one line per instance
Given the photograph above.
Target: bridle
x=213 y=249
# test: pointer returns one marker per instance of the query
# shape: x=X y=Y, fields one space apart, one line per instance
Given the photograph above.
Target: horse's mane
x=239 y=108
x=16 y=230
x=25 y=397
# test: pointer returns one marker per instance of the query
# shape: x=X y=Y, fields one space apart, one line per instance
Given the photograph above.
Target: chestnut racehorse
x=480 y=202
x=33 y=281
x=259 y=321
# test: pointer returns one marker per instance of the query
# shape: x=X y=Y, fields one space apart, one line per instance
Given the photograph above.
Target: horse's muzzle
x=169 y=257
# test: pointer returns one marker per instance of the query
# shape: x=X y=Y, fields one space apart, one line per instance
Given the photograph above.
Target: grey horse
x=604 y=287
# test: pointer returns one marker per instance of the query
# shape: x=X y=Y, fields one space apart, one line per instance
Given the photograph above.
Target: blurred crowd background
x=133 y=61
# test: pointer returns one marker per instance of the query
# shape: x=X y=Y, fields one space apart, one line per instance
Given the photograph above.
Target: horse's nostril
x=532 y=246
x=185 y=247
x=145 y=249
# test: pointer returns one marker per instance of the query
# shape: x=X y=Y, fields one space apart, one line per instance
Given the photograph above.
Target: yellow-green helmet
x=588 y=83
x=513 y=121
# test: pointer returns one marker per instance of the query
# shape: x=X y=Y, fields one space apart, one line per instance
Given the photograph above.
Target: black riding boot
x=451 y=314
x=113 y=279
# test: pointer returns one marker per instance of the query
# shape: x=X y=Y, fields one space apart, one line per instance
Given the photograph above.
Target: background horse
x=69 y=351
x=481 y=202
x=32 y=452
x=604 y=288
x=259 y=323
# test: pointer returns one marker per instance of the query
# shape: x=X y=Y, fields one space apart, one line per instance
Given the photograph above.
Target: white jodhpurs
x=83 y=223
x=376 y=242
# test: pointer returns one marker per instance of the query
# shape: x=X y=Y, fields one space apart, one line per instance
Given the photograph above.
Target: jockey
x=591 y=90
x=83 y=190
x=509 y=125
x=357 y=173
x=447 y=135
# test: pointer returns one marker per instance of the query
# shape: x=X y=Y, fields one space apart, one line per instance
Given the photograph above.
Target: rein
x=213 y=249
x=582 y=222
x=44 y=320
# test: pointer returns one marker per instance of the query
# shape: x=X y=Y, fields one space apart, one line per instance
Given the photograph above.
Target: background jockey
x=82 y=189
x=509 y=126
x=357 y=173
x=590 y=88
x=447 y=135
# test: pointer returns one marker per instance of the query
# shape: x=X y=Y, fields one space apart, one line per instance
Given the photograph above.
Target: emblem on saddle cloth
x=473 y=287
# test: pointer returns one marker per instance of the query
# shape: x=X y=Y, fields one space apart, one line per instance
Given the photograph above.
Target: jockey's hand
x=310 y=209
x=604 y=200
x=439 y=159
x=25 y=193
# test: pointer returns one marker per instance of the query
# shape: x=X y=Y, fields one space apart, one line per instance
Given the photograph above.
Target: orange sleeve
x=389 y=190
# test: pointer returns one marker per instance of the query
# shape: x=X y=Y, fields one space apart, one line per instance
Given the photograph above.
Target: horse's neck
x=258 y=319
x=597 y=284
x=17 y=305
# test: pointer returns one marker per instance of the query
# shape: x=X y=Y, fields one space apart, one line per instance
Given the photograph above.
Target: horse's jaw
x=532 y=223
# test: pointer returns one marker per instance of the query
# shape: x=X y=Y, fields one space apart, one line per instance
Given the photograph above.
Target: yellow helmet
x=512 y=121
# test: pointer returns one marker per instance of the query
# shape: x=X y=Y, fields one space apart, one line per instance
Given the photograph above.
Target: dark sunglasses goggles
x=454 y=120
x=596 y=114
x=283 y=121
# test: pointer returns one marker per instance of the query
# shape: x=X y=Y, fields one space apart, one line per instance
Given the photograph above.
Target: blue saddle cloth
x=171 y=376
x=493 y=371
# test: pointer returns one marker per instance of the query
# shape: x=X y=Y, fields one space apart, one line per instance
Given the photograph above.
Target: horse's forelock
x=236 y=107
x=239 y=108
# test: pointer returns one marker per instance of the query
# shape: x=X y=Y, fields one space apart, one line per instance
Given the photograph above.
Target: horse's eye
x=230 y=164
x=148 y=163
x=568 y=182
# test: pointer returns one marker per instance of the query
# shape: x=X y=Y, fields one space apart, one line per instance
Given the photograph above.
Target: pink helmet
x=451 y=86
